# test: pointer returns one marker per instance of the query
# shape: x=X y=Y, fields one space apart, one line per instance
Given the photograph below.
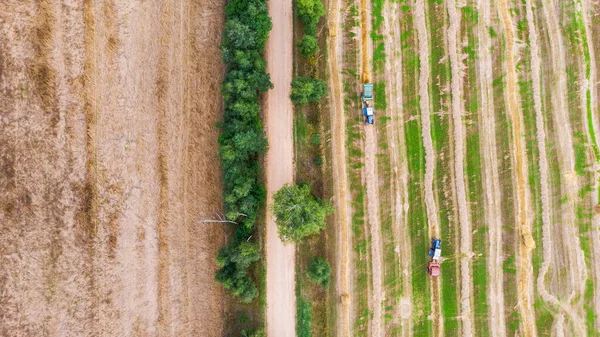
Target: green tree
x=233 y=261
x=298 y=213
x=308 y=46
x=255 y=15
x=307 y=89
x=319 y=271
x=309 y=12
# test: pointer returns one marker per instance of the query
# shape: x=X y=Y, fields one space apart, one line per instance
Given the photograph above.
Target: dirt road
x=108 y=147
x=281 y=292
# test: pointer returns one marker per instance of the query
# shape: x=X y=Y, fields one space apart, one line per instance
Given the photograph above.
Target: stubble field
x=109 y=164
x=486 y=114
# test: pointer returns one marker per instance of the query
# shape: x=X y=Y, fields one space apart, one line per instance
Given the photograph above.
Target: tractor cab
x=436 y=249
x=369 y=114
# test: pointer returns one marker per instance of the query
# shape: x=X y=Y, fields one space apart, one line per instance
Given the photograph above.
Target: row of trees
x=242 y=142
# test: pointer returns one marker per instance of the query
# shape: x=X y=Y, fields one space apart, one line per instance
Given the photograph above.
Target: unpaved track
x=372 y=181
x=432 y=212
x=466 y=239
x=526 y=243
x=395 y=132
x=493 y=194
x=101 y=120
x=281 y=292
x=340 y=177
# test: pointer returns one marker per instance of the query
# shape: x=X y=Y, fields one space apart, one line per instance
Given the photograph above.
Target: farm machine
x=367 y=98
x=435 y=252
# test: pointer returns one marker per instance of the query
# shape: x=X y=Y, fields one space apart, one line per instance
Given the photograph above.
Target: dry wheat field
x=108 y=164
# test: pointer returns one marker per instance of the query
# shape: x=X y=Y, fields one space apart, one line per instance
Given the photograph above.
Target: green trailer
x=367 y=92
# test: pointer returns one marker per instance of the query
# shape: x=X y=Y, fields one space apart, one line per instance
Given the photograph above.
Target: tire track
x=466 y=239
x=591 y=84
x=340 y=181
x=544 y=177
x=432 y=212
x=526 y=243
x=372 y=181
x=391 y=29
x=493 y=195
x=568 y=233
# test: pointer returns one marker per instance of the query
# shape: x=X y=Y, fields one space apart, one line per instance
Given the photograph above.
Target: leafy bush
x=303 y=318
x=308 y=46
x=318 y=161
x=319 y=271
x=243 y=317
x=233 y=261
x=309 y=12
x=315 y=138
x=242 y=140
x=298 y=213
x=306 y=89
x=257 y=332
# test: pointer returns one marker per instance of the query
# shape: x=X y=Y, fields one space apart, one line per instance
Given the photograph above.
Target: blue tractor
x=367 y=97
x=436 y=249
x=369 y=114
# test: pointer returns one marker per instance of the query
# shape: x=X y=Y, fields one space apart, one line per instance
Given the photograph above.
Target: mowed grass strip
x=504 y=140
x=391 y=264
x=439 y=97
x=416 y=218
x=542 y=314
x=585 y=149
x=360 y=239
x=473 y=167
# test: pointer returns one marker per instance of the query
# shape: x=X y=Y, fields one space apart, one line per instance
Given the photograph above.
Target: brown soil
x=109 y=161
